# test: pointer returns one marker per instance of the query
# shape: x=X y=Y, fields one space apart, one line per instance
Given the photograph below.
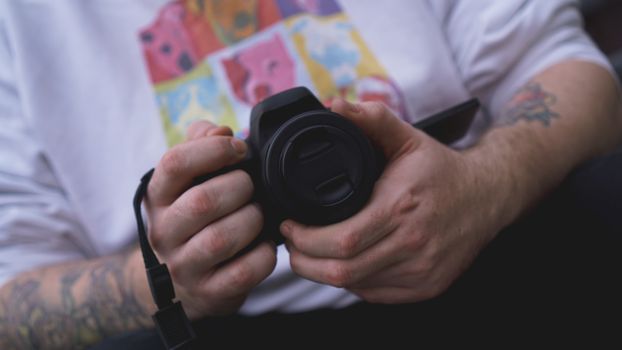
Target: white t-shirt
x=92 y=93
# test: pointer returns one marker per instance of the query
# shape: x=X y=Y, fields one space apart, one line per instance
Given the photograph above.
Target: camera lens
x=319 y=168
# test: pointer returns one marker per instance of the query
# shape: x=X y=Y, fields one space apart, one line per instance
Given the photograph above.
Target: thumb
x=391 y=134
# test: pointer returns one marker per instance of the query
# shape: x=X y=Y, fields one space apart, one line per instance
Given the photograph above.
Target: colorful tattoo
x=530 y=103
x=91 y=304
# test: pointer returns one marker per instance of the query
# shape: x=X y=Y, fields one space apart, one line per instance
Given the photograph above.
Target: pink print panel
x=260 y=70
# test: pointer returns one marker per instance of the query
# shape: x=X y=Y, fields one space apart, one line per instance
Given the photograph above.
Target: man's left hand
x=431 y=212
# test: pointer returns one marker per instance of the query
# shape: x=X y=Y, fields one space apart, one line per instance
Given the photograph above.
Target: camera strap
x=171 y=321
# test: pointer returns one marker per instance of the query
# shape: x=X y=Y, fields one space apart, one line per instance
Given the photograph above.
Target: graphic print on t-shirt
x=215 y=59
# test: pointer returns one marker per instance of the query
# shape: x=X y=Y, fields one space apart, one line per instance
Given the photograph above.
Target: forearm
x=566 y=115
x=74 y=305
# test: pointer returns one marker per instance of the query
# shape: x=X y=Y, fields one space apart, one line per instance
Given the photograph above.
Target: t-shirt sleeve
x=37 y=224
x=498 y=46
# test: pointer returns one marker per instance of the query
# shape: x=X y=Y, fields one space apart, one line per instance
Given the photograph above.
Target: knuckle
x=339 y=275
x=417 y=239
x=422 y=269
x=241 y=278
x=405 y=203
x=203 y=201
x=173 y=162
x=415 y=242
x=216 y=242
x=347 y=245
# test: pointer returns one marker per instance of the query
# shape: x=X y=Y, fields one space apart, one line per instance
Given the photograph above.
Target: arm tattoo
x=530 y=103
x=88 y=305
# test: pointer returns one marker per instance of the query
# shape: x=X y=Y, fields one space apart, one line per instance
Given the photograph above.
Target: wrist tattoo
x=88 y=305
x=530 y=103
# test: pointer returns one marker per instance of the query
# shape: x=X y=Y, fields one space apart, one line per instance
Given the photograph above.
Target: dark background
x=603 y=20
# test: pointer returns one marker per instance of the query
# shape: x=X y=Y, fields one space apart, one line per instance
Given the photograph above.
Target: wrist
x=497 y=184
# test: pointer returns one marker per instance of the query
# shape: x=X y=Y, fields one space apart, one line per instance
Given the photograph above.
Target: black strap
x=171 y=321
x=148 y=255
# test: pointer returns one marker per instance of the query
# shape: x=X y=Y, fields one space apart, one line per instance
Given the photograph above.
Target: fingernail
x=211 y=131
x=238 y=145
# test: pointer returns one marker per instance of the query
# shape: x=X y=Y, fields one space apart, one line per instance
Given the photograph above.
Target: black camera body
x=306 y=162
x=315 y=166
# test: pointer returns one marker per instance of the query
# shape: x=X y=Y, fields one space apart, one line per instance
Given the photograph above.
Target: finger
x=342 y=273
x=201 y=205
x=387 y=131
x=421 y=277
x=181 y=164
x=403 y=274
x=347 y=238
x=240 y=275
x=199 y=128
x=217 y=242
x=390 y=295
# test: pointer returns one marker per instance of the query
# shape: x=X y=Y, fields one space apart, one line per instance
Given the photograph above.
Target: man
x=81 y=127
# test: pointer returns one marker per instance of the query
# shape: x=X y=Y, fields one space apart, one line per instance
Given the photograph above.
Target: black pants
x=554 y=276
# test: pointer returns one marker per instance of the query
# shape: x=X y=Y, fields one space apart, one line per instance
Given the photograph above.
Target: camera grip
x=450 y=125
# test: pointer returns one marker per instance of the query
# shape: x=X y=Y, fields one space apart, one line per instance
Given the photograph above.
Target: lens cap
x=320 y=168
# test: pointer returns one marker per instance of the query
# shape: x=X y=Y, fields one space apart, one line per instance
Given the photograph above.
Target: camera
x=315 y=166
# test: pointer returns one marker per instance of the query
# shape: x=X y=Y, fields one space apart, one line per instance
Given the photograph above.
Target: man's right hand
x=197 y=230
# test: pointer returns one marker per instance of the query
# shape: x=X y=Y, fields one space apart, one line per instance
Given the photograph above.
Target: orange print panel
x=199 y=29
x=235 y=20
